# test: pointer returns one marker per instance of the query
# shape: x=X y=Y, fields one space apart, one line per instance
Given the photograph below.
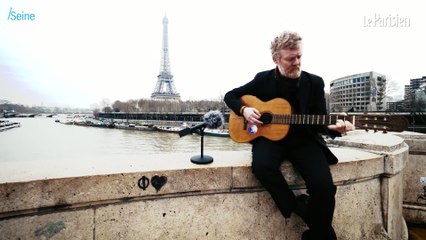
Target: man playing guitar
x=303 y=145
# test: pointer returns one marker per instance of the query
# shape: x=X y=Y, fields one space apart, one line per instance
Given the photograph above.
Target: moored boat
x=168 y=128
x=5 y=125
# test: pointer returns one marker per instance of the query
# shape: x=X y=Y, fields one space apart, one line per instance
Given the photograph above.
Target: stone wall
x=414 y=207
x=168 y=197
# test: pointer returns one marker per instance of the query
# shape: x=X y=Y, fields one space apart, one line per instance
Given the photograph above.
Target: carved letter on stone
x=143 y=183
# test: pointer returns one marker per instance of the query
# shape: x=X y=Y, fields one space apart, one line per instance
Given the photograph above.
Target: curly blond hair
x=285 y=40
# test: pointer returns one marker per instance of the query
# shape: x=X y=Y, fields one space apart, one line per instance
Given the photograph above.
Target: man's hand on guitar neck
x=252 y=115
x=342 y=126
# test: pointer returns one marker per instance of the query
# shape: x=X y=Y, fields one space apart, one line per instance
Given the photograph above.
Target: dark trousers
x=308 y=158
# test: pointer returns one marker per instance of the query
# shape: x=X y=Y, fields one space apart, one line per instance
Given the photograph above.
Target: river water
x=41 y=139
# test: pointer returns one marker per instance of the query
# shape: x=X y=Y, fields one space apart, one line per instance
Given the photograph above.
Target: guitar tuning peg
x=384 y=131
x=366 y=129
x=375 y=130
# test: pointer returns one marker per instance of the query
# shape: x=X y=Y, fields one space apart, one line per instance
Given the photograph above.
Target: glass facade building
x=358 y=93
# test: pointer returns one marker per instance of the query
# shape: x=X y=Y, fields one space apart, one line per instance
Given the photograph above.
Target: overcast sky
x=78 y=52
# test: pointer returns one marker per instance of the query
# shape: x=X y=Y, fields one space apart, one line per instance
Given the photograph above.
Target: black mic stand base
x=202 y=159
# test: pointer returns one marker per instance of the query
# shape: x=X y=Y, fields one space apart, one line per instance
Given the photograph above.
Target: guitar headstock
x=383 y=123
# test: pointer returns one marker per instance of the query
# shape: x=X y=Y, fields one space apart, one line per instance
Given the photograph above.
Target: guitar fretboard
x=305 y=119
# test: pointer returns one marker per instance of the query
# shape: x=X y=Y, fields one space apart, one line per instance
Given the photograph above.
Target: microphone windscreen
x=213 y=119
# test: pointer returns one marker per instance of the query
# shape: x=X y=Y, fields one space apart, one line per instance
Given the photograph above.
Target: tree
x=335 y=107
x=105 y=102
x=150 y=105
x=107 y=109
x=381 y=91
x=117 y=106
x=132 y=105
x=392 y=87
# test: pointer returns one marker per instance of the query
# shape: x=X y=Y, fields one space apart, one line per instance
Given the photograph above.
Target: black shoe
x=302 y=207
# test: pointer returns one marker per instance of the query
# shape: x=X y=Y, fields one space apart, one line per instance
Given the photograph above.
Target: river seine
x=42 y=138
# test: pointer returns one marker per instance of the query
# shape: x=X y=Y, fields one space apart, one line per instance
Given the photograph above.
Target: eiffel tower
x=165 y=88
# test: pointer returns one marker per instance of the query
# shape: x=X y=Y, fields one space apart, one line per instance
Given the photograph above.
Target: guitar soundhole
x=266 y=118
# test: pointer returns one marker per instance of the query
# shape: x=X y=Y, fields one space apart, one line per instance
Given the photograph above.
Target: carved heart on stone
x=158 y=182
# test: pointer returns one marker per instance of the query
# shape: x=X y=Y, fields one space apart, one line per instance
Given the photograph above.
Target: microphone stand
x=202 y=159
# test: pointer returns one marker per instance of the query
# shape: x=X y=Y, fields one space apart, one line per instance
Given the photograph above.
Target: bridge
x=83 y=199
x=150 y=117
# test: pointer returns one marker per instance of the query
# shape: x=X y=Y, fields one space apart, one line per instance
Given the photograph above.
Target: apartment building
x=358 y=92
x=415 y=85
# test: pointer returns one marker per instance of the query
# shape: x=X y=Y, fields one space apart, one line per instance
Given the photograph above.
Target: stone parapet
x=168 y=197
x=414 y=207
x=394 y=151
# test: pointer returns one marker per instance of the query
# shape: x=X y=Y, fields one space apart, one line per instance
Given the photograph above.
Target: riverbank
x=6 y=125
x=159 y=126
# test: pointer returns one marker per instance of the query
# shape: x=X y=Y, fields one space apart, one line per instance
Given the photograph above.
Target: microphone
x=213 y=119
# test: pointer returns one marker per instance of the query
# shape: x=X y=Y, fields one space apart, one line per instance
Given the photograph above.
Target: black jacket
x=310 y=97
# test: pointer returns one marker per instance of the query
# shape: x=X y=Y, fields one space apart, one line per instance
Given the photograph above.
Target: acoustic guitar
x=277 y=118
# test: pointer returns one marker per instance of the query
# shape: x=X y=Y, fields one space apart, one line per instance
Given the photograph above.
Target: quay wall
x=168 y=197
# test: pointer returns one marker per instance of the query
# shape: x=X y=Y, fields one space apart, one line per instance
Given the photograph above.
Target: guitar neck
x=305 y=119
